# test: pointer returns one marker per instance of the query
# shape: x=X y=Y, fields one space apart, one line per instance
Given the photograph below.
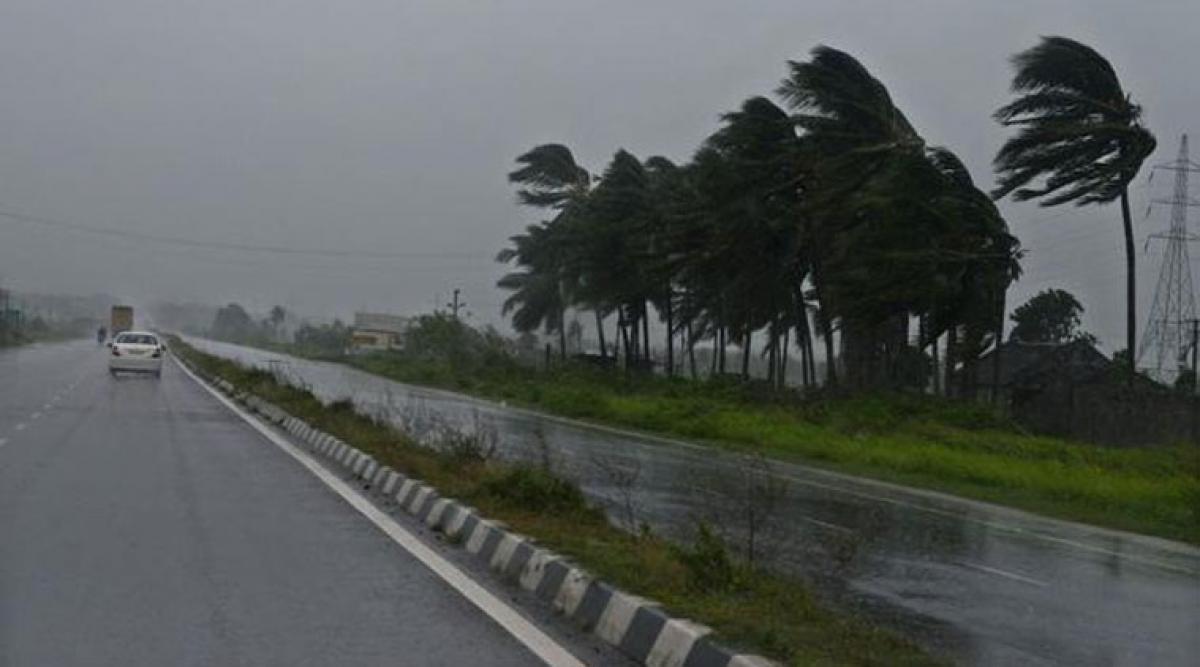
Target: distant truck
x=122 y=320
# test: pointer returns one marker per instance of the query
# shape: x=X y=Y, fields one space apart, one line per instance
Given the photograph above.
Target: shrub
x=537 y=490
x=709 y=567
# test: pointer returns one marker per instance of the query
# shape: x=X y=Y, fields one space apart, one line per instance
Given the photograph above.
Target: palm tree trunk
x=623 y=331
x=810 y=353
x=600 y=335
x=937 y=369
x=1130 y=286
x=691 y=343
x=996 y=354
x=772 y=356
x=783 y=360
x=802 y=339
x=635 y=345
x=712 y=370
x=721 y=349
x=646 y=332
x=951 y=358
x=562 y=334
x=670 y=336
x=922 y=325
x=748 y=340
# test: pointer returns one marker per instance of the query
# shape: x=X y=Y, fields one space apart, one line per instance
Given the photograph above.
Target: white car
x=136 y=352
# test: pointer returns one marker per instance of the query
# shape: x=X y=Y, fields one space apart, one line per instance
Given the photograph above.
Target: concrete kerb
x=366 y=468
x=419 y=499
x=436 y=511
x=328 y=445
x=639 y=628
x=368 y=473
x=389 y=484
x=406 y=488
x=454 y=526
x=380 y=475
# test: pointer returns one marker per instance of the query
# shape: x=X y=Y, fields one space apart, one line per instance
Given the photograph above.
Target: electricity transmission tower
x=1168 y=340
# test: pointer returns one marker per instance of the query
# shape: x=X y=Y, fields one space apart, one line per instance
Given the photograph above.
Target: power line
x=65 y=225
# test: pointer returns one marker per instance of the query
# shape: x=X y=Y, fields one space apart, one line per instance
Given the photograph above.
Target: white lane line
x=831 y=526
x=35 y=416
x=19 y=427
x=3 y=442
x=1005 y=574
x=525 y=632
x=48 y=405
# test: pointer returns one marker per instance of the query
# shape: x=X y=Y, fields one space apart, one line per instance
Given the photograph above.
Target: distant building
x=374 y=332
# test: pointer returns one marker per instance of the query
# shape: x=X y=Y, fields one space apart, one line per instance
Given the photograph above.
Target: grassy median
x=922 y=441
x=748 y=608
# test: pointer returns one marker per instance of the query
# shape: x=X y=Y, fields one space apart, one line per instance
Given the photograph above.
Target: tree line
x=818 y=218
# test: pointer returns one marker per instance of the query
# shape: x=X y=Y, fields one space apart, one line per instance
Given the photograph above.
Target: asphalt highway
x=143 y=523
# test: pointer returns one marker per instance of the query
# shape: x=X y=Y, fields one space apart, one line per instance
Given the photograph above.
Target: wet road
x=982 y=584
x=142 y=523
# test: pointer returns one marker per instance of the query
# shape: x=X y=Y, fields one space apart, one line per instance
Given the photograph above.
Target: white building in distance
x=374 y=332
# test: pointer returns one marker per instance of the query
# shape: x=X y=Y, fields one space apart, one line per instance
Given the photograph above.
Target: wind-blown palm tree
x=550 y=179
x=854 y=136
x=537 y=298
x=1079 y=135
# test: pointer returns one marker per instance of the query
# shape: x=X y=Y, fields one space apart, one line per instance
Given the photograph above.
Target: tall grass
x=952 y=446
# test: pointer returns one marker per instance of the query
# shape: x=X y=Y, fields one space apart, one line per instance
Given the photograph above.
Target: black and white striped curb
x=639 y=628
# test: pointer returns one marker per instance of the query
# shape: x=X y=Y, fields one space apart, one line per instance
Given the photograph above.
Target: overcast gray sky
x=387 y=126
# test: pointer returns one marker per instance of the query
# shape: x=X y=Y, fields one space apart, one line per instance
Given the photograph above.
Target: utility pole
x=455 y=305
x=1164 y=348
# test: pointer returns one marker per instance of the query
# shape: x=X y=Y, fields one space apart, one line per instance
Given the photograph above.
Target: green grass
x=748 y=609
x=922 y=441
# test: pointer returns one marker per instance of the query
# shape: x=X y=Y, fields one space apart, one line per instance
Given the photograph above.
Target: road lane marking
x=19 y=427
x=538 y=642
x=831 y=526
x=3 y=442
x=1005 y=574
x=35 y=416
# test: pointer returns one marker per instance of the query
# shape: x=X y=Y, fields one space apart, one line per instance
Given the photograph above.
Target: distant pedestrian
x=101 y=335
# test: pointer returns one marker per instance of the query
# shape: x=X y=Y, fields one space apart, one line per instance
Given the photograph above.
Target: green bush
x=709 y=566
x=537 y=490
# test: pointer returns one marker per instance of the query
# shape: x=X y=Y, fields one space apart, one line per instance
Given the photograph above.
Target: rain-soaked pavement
x=981 y=584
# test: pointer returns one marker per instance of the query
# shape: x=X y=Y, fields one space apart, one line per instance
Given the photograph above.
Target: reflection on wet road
x=982 y=584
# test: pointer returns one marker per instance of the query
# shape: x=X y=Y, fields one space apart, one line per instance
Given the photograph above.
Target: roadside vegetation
x=39 y=330
x=968 y=448
x=747 y=606
x=964 y=448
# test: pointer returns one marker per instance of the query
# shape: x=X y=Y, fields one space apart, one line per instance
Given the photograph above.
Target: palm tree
x=550 y=179
x=853 y=135
x=1079 y=133
x=537 y=298
x=614 y=254
x=894 y=228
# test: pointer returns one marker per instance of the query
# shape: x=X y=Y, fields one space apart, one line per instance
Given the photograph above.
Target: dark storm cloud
x=390 y=126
